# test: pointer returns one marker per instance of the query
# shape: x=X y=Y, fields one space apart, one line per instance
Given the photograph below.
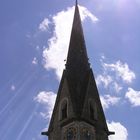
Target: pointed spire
x=76 y=2
x=77 y=54
x=77 y=66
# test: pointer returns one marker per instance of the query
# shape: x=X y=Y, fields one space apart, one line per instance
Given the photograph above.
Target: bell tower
x=78 y=113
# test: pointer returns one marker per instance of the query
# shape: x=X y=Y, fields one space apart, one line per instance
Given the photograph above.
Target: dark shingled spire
x=77 y=53
x=77 y=66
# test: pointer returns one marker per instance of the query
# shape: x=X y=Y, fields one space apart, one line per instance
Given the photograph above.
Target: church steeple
x=77 y=53
x=78 y=113
x=77 y=65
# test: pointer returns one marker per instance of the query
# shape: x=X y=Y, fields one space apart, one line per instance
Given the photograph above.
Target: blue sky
x=34 y=37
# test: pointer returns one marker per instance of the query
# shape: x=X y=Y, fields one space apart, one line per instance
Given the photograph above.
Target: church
x=78 y=113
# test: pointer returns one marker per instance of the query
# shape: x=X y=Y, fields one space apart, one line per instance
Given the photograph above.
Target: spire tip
x=76 y=2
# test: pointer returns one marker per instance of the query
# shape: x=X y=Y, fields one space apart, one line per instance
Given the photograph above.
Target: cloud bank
x=121 y=70
x=121 y=132
x=108 y=100
x=115 y=75
x=115 y=78
x=133 y=96
x=47 y=99
x=43 y=26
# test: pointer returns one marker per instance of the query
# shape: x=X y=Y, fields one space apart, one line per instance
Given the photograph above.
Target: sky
x=34 y=39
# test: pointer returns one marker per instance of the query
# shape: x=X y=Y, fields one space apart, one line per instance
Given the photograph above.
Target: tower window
x=92 y=112
x=63 y=110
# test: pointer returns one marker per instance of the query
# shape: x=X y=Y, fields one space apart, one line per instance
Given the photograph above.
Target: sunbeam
x=23 y=84
x=26 y=125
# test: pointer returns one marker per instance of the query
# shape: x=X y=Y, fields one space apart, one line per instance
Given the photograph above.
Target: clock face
x=70 y=134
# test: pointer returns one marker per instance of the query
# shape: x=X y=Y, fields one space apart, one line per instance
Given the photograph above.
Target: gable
x=92 y=99
x=62 y=96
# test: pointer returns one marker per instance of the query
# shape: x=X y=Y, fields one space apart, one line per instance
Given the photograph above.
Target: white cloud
x=117 y=87
x=102 y=57
x=55 y=55
x=84 y=13
x=104 y=79
x=110 y=85
x=133 y=96
x=35 y=61
x=115 y=75
x=48 y=100
x=121 y=132
x=108 y=101
x=108 y=81
x=43 y=26
x=13 y=87
x=122 y=70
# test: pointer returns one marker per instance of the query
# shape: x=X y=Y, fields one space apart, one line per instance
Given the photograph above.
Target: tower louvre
x=78 y=113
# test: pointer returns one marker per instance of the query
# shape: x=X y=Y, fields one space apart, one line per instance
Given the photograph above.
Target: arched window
x=86 y=134
x=92 y=112
x=63 y=110
x=70 y=133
